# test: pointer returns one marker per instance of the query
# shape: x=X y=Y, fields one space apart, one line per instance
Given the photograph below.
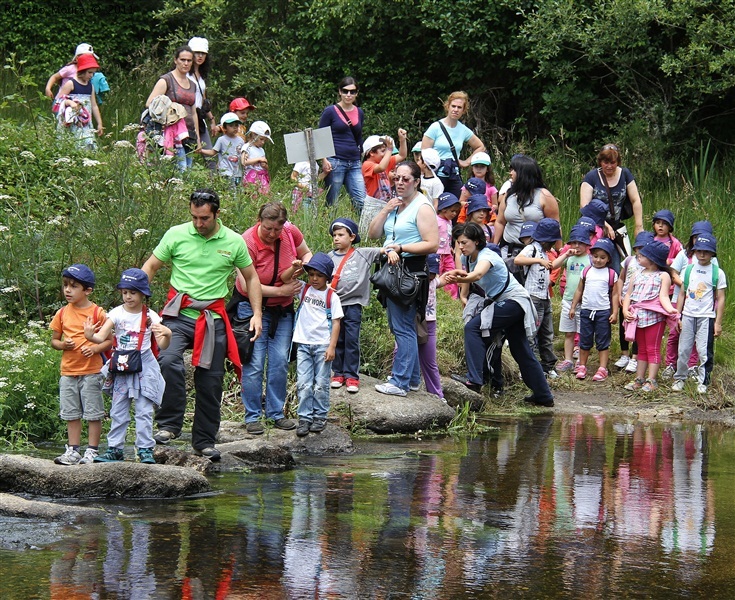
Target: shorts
x=80 y=396
x=594 y=326
x=567 y=325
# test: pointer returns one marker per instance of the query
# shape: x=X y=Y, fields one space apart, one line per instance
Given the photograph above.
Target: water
x=557 y=507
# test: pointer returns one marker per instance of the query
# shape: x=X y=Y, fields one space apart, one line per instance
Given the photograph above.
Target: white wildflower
x=19 y=387
x=38 y=352
x=35 y=324
x=88 y=162
x=123 y=144
x=30 y=405
x=167 y=157
x=64 y=160
x=9 y=290
x=27 y=154
x=4 y=228
x=3 y=382
x=5 y=197
x=130 y=127
x=140 y=232
x=136 y=185
x=58 y=220
x=176 y=181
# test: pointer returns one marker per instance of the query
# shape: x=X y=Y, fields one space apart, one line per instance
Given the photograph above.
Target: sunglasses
x=403 y=179
x=204 y=196
x=347 y=92
x=611 y=147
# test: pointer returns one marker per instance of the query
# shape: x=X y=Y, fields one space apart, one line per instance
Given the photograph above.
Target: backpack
x=715 y=281
x=611 y=282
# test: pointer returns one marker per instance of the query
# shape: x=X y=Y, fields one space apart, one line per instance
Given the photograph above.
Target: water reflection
x=552 y=507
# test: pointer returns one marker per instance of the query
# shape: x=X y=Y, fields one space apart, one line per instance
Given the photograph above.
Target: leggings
x=649 y=342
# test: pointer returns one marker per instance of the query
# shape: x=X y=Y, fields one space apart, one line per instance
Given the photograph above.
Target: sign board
x=297 y=147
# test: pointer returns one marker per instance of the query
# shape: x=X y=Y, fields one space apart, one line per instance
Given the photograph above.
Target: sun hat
x=199 y=44
x=416 y=148
x=135 y=279
x=84 y=49
x=322 y=263
x=587 y=223
x=432 y=263
x=175 y=113
x=528 y=229
x=241 y=104
x=595 y=210
x=666 y=216
x=229 y=117
x=373 y=141
x=606 y=245
x=87 y=61
x=261 y=128
x=477 y=202
x=579 y=233
x=547 y=230
x=475 y=185
x=349 y=225
x=480 y=158
x=431 y=158
x=707 y=243
x=445 y=200
x=81 y=272
x=643 y=238
x=700 y=227
x=657 y=252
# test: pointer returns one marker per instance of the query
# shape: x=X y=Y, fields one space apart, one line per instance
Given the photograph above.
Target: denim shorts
x=80 y=396
x=594 y=325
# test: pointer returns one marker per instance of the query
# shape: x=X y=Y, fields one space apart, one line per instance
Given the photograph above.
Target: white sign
x=297 y=148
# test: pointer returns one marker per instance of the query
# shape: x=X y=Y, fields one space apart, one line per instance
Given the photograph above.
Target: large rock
x=15 y=506
x=37 y=476
x=391 y=414
x=333 y=440
x=457 y=395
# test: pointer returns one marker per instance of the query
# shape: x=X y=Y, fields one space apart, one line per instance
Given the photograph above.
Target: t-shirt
x=250 y=152
x=377 y=185
x=574 y=267
x=537 y=277
x=353 y=285
x=312 y=325
x=494 y=280
x=432 y=188
x=619 y=191
x=228 y=155
x=201 y=266
x=69 y=322
x=515 y=217
x=460 y=135
x=303 y=168
x=596 y=295
x=699 y=300
x=127 y=327
x=346 y=147
x=445 y=235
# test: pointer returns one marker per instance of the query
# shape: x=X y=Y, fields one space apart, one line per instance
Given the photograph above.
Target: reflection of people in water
x=74 y=573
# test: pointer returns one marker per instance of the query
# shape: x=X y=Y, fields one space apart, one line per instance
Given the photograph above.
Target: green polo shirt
x=200 y=267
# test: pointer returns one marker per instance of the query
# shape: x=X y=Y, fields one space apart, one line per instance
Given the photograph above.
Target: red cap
x=240 y=104
x=86 y=61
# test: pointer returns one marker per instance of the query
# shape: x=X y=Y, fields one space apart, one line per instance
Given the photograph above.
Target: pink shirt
x=445 y=235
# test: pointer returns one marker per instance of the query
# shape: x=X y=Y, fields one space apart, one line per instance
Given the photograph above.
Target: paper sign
x=298 y=150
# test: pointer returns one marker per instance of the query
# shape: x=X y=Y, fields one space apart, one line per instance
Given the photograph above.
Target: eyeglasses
x=347 y=92
x=403 y=179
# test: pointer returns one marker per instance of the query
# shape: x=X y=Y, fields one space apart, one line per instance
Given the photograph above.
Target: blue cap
x=349 y=225
x=643 y=238
x=135 y=279
x=477 y=202
x=587 y=223
x=579 y=233
x=707 y=242
x=595 y=210
x=475 y=185
x=657 y=252
x=547 y=230
x=528 y=229
x=432 y=263
x=82 y=273
x=322 y=263
x=701 y=227
x=606 y=245
x=446 y=200
x=664 y=215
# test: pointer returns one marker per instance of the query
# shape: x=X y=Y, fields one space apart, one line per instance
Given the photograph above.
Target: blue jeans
x=312 y=381
x=402 y=323
x=347 y=354
x=349 y=174
x=273 y=345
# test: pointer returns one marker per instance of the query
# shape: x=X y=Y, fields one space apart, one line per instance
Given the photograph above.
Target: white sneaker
x=701 y=388
x=678 y=385
x=693 y=372
x=668 y=372
x=552 y=375
x=632 y=366
x=622 y=362
x=89 y=455
x=70 y=457
x=390 y=389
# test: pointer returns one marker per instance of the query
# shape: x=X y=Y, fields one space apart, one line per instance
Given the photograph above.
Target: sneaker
x=337 y=382
x=668 y=372
x=581 y=371
x=575 y=353
x=303 y=428
x=701 y=388
x=318 y=425
x=601 y=374
x=70 y=457
x=111 y=455
x=89 y=455
x=353 y=385
x=565 y=366
x=552 y=374
x=210 y=452
x=632 y=366
x=414 y=388
x=634 y=385
x=390 y=389
x=285 y=424
x=622 y=362
x=164 y=436
x=651 y=385
x=693 y=372
x=255 y=428
x=678 y=385
x=145 y=455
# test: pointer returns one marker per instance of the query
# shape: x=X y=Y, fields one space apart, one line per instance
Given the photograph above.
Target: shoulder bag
x=622 y=242
x=455 y=170
x=127 y=362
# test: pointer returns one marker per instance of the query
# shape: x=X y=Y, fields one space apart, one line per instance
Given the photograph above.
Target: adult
x=179 y=88
x=614 y=185
x=510 y=313
x=448 y=136
x=202 y=254
x=344 y=168
x=411 y=232
x=274 y=244
x=198 y=73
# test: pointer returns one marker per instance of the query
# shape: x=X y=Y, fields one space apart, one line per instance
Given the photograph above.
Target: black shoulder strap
x=609 y=194
x=352 y=126
x=451 y=143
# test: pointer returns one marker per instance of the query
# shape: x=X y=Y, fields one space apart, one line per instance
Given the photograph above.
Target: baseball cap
x=84 y=49
x=199 y=44
x=81 y=272
x=261 y=128
x=431 y=157
x=349 y=225
x=480 y=158
x=373 y=141
x=416 y=148
x=229 y=117
x=241 y=104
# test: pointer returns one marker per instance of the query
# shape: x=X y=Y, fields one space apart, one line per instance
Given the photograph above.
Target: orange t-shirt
x=377 y=185
x=69 y=322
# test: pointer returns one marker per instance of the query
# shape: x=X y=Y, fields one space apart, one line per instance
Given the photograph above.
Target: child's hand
x=388 y=143
x=402 y=134
x=571 y=313
x=159 y=329
x=298 y=267
x=613 y=318
x=329 y=354
x=90 y=328
x=263 y=162
x=545 y=263
x=87 y=351
x=628 y=315
x=718 y=329
x=69 y=344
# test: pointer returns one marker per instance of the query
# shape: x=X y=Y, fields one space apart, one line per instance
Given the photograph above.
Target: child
x=663 y=227
x=481 y=169
x=427 y=349
x=447 y=210
x=478 y=211
x=76 y=104
x=416 y=151
x=254 y=162
x=534 y=256
x=316 y=332
x=99 y=81
x=301 y=174
x=227 y=149
x=242 y=108
x=701 y=310
x=431 y=185
x=80 y=386
x=379 y=161
x=599 y=308
x=628 y=271
x=595 y=211
x=474 y=186
x=575 y=258
x=645 y=308
x=351 y=281
x=132 y=324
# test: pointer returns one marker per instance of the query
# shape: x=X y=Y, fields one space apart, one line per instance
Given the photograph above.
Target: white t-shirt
x=537 y=277
x=596 y=295
x=432 y=188
x=312 y=326
x=252 y=152
x=699 y=300
x=127 y=326
x=680 y=264
x=303 y=168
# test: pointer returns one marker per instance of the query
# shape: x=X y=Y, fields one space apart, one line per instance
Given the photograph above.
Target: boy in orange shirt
x=379 y=161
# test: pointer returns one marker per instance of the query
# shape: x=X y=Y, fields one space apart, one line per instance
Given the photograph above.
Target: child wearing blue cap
x=663 y=227
x=133 y=371
x=702 y=306
x=80 y=386
x=447 y=209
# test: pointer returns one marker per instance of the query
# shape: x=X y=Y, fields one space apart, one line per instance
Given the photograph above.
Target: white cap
x=431 y=157
x=199 y=44
x=480 y=158
x=85 y=49
x=229 y=117
x=261 y=128
x=373 y=141
x=416 y=147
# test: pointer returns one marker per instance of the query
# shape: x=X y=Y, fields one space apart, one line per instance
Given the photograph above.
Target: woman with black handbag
x=411 y=232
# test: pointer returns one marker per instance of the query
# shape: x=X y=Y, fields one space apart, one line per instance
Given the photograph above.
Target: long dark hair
x=528 y=180
x=184 y=48
x=203 y=68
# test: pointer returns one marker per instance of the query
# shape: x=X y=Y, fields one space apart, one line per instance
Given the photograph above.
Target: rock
x=15 y=506
x=168 y=455
x=457 y=394
x=24 y=474
x=257 y=455
x=335 y=439
x=391 y=414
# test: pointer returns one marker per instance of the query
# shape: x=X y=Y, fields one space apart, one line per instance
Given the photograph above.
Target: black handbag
x=397 y=282
x=127 y=362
